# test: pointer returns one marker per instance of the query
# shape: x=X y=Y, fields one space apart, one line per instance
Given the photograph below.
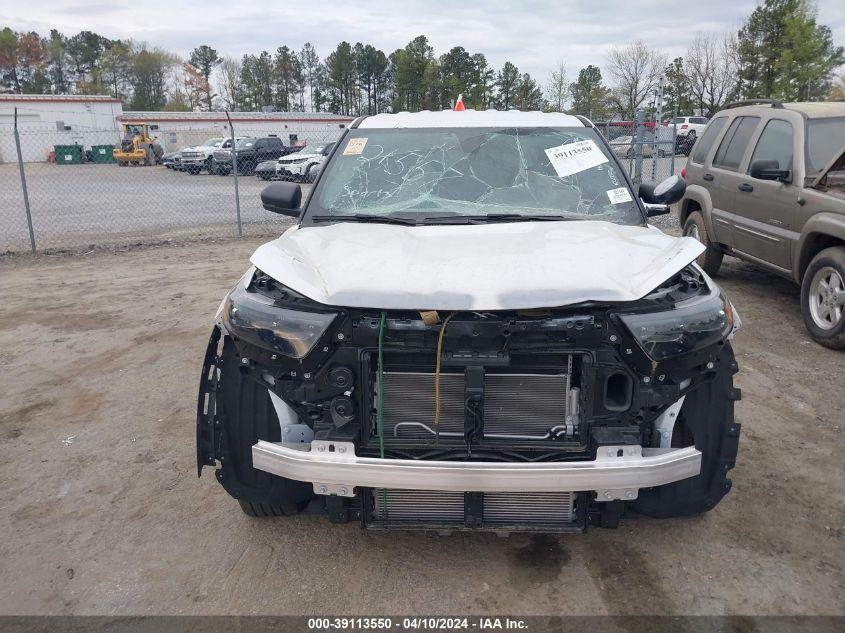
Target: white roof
x=471 y=118
x=57 y=98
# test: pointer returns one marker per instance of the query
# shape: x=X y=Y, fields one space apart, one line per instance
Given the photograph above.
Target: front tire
x=823 y=298
x=711 y=259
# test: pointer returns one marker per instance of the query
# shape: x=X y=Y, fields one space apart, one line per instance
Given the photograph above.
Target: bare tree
x=711 y=68
x=557 y=92
x=837 y=89
x=636 y=70
x=229 y=81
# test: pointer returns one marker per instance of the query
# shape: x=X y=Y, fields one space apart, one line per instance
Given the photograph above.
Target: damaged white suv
x=472 y=326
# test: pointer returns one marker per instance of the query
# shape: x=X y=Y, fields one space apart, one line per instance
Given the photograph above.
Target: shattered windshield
x=427 y=173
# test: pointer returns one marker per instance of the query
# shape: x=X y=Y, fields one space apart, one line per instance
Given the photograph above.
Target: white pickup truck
x=195 y=159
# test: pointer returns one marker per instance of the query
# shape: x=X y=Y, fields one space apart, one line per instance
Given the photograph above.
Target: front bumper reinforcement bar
x=618 y=472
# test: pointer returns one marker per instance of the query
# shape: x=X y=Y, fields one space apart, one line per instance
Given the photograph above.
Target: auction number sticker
x=355 y=147
x=619 y=195
x=571 y=158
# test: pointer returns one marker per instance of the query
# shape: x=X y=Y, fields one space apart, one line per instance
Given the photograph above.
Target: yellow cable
x=437 y=377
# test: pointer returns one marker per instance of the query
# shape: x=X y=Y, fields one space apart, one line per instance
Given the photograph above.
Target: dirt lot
x=103 y=513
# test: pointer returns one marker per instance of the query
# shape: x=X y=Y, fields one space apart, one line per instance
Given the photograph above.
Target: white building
x=48 y=120
x=45 y=121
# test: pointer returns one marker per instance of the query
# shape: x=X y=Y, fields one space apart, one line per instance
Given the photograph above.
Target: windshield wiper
x=362 y=217
x=493 y=217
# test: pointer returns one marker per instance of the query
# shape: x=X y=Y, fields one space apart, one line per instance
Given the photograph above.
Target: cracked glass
x=426 y=174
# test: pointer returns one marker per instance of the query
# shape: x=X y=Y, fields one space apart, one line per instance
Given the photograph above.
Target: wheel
x=267 y=510
x=194 y=170
x=209 y=165
x=823 y=297
x=661 y=153
x=706 y=420
x=711 y=259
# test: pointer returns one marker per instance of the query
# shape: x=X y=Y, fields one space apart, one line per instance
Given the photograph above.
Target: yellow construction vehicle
x=137 y=146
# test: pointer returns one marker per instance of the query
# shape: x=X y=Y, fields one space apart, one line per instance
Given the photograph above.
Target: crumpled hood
x=504 y=266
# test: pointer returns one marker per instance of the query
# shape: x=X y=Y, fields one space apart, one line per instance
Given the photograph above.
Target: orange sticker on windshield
x=355 y=146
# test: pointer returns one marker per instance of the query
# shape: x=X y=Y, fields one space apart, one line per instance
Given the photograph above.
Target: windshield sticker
x=571 y=158
x=355 y=147
x=618 y=196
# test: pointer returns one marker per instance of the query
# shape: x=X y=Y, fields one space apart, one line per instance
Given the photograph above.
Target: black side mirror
x=658 y=197
x=768 y=170
x=283 y=198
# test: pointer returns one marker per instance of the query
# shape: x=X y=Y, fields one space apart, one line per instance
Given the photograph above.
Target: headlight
x=256 y=319
x=690 y=326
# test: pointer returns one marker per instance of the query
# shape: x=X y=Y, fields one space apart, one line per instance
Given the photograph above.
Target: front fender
x=821 y=225
x=700 y=196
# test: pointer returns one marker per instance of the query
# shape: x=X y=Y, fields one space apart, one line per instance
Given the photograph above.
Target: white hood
x=505 y=266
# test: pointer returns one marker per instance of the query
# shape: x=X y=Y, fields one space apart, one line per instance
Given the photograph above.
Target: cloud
x=535 y=35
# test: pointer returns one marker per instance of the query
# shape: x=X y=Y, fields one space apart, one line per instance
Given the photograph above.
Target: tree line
x=779 y=52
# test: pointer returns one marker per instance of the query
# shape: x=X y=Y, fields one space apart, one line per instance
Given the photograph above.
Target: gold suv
x=766 y=183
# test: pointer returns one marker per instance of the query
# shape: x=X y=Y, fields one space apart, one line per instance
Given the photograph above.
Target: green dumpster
x=102 y=153
x=68 y=154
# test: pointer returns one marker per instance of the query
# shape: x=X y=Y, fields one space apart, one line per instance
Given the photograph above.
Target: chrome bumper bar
x=618 y=472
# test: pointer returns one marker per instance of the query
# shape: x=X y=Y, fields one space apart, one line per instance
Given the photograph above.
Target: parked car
x=625 y=146
x=472 y=326
x=171 y=160
x=250 y=152
x=303 y=166
x=766 y=186
x=688 y=128
x=198 y=158
x=266 y=170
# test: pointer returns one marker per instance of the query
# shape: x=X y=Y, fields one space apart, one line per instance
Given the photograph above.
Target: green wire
x=380 y=405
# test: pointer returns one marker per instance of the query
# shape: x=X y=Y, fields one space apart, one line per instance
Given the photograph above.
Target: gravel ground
x=103 y=513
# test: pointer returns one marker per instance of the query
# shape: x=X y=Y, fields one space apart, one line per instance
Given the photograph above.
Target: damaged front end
x=543 y=420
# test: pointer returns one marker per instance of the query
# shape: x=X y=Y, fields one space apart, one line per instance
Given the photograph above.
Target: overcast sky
x=533 y=34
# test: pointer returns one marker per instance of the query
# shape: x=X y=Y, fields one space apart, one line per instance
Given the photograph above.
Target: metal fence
x=650 y=152
x=75 y=196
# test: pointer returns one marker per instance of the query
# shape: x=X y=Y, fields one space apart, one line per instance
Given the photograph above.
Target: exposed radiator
x=524 y=406
x=514 y=509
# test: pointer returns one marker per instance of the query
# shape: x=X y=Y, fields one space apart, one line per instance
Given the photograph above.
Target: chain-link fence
x=70 y=190
x=650 y=152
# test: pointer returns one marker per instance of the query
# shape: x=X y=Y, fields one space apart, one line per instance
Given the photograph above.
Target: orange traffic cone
x=459 y=104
